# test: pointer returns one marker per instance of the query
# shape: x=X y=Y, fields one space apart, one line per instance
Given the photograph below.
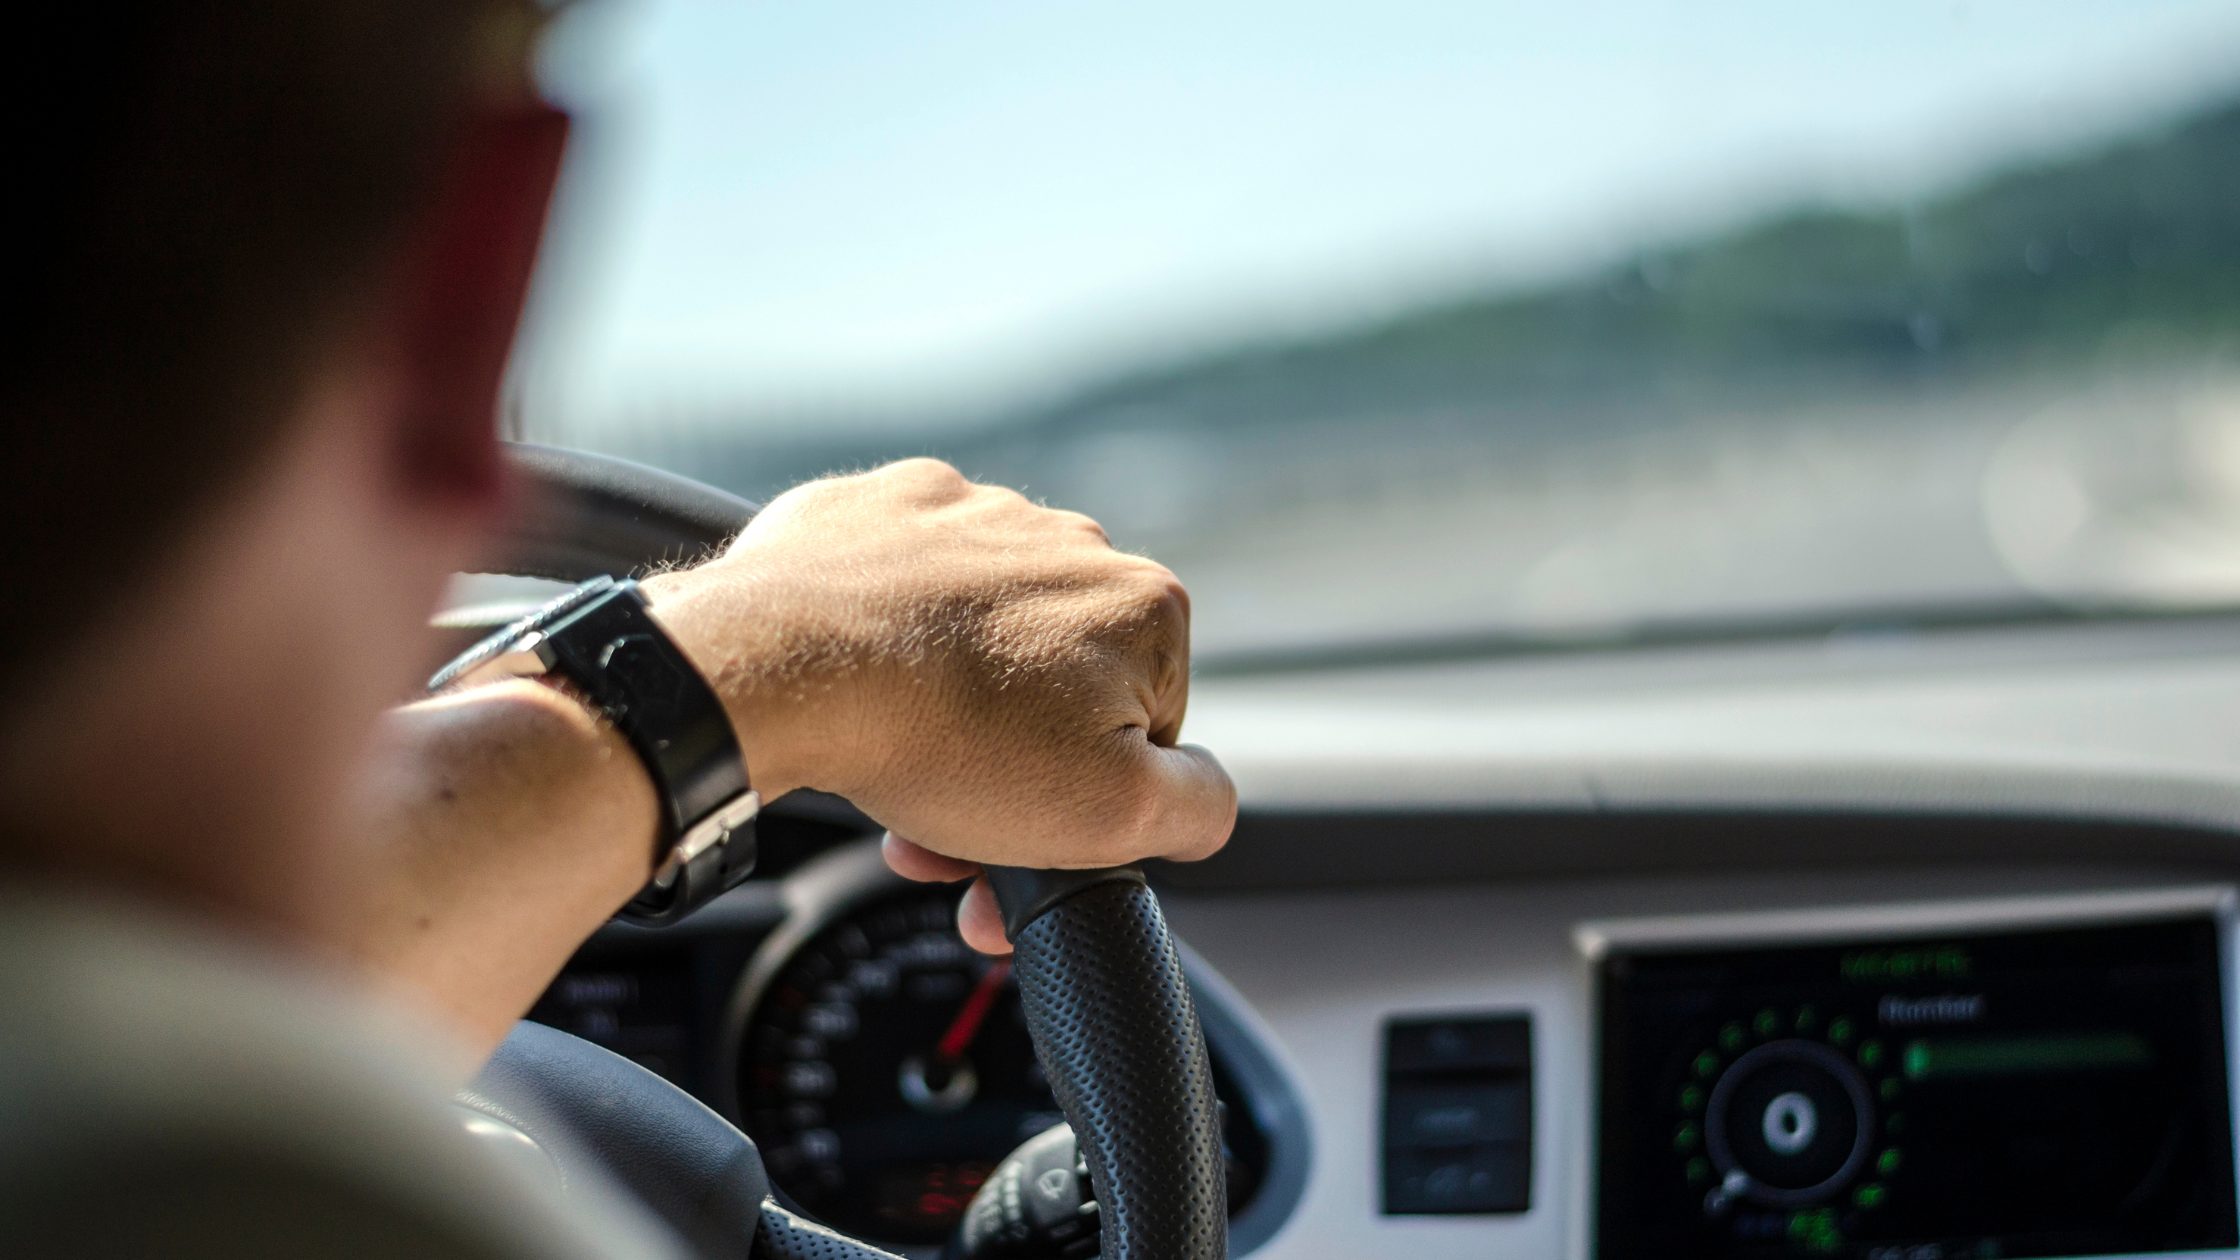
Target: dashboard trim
x=1596 y=938
x=1245 y=1047
x=1296 y=849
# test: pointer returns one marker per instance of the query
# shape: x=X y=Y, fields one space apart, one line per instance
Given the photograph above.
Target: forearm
x=503 y=825
x=985 y=676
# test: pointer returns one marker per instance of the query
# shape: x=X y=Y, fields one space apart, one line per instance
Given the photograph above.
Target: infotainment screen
x=1955 y=1097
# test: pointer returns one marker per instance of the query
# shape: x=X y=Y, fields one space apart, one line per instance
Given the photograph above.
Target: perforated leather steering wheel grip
x=1117 y=1032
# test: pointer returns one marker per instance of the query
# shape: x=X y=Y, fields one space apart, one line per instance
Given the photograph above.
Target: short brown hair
x=204 y=188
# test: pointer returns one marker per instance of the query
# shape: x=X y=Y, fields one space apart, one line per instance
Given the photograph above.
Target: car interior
x=1738 y=735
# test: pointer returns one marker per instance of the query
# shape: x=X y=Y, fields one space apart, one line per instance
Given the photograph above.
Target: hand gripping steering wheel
x=1100 y=980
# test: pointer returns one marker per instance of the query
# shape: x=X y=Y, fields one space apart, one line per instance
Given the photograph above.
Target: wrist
x=785 y=702
x=602 y=636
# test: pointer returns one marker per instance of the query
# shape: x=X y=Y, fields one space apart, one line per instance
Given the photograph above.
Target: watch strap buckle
x=711 y=832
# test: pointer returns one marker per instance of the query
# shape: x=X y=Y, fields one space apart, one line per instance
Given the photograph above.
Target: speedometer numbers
x=1787 y=1122
x=887 y=1069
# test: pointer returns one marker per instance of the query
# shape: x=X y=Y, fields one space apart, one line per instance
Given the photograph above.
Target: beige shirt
x=167 y=1092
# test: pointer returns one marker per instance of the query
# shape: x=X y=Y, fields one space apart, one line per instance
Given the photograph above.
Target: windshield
x=1386 y=321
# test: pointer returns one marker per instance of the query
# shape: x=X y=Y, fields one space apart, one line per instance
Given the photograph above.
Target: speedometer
x=885 y=1068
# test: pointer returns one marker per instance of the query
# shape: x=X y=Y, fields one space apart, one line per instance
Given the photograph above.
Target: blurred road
x=2078 y=490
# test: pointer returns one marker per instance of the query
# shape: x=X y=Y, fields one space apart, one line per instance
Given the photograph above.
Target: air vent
x=1457 y=1115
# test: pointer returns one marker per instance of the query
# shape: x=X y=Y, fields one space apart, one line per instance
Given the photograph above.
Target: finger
x=979 y=920
x=1197 y=803
x=1166 y=697
x=1164 y=654
x=914 y=861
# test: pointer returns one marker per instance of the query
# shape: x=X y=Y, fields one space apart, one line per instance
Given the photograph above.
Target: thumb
x=1197 y=803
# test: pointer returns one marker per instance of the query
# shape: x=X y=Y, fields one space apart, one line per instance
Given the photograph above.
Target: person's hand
x=986 y=677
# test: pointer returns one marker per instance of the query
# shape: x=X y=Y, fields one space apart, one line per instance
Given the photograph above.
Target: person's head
x=271 y=254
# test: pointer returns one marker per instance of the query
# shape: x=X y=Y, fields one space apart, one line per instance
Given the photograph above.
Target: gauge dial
x=1789 y=1108
x=887 y=1069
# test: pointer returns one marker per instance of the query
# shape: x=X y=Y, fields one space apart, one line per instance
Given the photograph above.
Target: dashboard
x=1791 y=952
x=882 y=1067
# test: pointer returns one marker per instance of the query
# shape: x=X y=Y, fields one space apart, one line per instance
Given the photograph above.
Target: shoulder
x=141 y=1196
x=171 y=1093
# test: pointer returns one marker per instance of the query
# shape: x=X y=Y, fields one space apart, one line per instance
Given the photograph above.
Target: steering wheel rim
x=1108 y=1005
x=584 y=516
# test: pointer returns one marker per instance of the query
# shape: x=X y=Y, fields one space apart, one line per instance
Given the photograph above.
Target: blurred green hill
x=2133 y=248
x=2136 y=243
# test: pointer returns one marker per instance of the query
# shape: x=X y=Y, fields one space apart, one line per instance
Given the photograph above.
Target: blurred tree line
x=2131 y=250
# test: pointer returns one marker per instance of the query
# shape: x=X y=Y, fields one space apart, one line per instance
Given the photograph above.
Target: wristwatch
x=600 y=639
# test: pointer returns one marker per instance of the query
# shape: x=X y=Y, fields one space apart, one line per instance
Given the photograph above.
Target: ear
x=465 y=278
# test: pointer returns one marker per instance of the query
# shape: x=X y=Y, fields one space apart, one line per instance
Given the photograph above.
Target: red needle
x=966 y=1025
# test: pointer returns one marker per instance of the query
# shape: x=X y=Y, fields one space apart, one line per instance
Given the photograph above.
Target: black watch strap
x=601 y=638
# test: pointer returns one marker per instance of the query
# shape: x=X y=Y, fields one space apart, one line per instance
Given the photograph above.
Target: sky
x=782 y=213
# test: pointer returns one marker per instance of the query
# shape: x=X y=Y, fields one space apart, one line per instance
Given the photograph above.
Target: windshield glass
x=1385 y=321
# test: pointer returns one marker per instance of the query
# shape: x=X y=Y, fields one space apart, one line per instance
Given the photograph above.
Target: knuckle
x=927 y=473
x=1080 y=522
x=1160 y=593
x=1145 y=569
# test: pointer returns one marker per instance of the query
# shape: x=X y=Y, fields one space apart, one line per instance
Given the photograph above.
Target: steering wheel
x=1099 y=978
